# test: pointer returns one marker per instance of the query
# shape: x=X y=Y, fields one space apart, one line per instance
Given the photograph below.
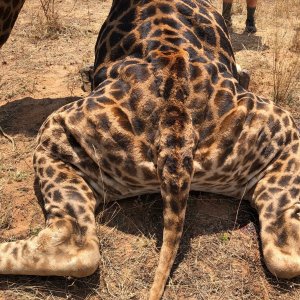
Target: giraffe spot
x=87 y=219
x=226 y=145
x=184 y=185
x=262 y=138
x=256 y=166
x=294 y=192
x=115 y=38
x=129 y=16
x=148 y=174
x=171 y=164
x=284 y=181
x=130 y=167
x=184 y=9
x=148 y=12
x=188 y=164
x=135 y=97
x=41 y=172
x=174 y=141
x=123 y=141
x=144 y=29
x=168 y=88
x=224 y=43
x=76 y=117
x=137 y=51
x=224 y=102
x=208 y=142
x=165 y=48
x=15 y=252
x=174 y=187
x=207 y=164
x=283 y=200
x=169 y=224
x=152 y=45
x=277 y=166
x=139 y=72
x=91 y=105
x=275 y=191
x=24 y=250
x=104 y=100
x=49 y=187
x=190 y=3
x=138 y=125
x=104 y=122
x=128 y=41
x=268 y=151
x=174 y=206
x=206 y=131
x=170 y=32
x=195 y=72
x=41 y=161
x=75 y=196
x=146 y=152
x=157 y=33
x=70 y=210
x=286 y=121
x=274 y=126
x=282 y=238
x=210 y=36
x=165 y=8
x=192 y=38
x=61 y=177
x=295 y=148
x=167 y=21
x=175 y=40
x=116 y=53
x=57 y=196
x=50 y=172
x=123 y=119
x=297 y=180
x=54 y=149
x=272 y=180
x=81 y=209
x=193 y=54
x=116 y=159
x=126 y=26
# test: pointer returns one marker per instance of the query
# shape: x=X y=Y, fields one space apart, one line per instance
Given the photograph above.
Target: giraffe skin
x=9 y=11
x=168 y=115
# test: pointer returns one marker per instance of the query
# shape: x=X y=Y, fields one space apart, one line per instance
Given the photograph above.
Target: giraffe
x=167 y=114
x=9 y=11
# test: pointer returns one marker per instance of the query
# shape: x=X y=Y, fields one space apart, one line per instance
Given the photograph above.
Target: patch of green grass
x=225 y=237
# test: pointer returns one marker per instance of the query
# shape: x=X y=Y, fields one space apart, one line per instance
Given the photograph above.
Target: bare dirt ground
x=220 y=256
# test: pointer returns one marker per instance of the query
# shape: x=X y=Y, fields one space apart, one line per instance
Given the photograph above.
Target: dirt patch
x=219 y=257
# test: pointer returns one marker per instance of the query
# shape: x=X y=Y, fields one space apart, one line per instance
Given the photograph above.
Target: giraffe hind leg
x=277 y=199
x=68 y=246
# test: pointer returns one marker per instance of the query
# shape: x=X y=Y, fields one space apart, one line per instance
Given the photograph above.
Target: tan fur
x=167 y=114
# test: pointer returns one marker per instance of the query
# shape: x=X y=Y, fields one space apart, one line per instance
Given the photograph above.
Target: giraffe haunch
x=167 y=114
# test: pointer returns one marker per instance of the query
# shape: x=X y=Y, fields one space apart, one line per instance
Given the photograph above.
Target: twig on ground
x=9 y=138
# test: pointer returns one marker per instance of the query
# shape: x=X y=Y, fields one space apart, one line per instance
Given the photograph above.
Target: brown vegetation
x=220 y=254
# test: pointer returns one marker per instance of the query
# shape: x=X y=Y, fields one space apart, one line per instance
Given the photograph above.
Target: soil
x=220 y=255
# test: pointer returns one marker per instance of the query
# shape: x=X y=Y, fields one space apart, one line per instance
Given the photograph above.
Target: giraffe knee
x=282 y=264
x=68 y=242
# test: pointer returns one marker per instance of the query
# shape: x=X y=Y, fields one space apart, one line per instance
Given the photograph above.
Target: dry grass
x=218 y=258
x=286 y=65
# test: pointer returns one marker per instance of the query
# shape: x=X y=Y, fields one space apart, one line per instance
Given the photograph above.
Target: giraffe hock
x=57 y=250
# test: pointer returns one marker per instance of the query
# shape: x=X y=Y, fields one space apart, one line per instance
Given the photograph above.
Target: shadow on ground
x=246 y=41
x=25 y=116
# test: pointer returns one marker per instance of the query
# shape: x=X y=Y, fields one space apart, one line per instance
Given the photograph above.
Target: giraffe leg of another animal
x=276 y=198
x=68 y=246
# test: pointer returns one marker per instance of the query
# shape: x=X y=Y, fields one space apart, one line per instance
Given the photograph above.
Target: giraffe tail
x=175 y=171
